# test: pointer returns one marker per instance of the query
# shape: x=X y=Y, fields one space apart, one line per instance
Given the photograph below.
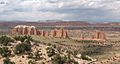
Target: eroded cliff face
x=24 y=30
x=32 y=30
x=59 y=33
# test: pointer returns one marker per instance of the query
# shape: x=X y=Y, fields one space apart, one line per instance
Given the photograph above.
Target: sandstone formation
x=25 y=30
x=97 y=35
x=100 y=35
x=44 y=33
x=59 y=33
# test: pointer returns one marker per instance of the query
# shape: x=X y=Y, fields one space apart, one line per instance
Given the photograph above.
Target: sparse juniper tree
x=57 y=59
x=28 y=38
x=50 y=51
x=19 y=38
x=5 y=52
x=22 y=48
x=5 y=40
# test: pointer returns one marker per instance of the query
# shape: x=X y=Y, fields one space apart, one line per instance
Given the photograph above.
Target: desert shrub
x=70 y=60
x=57 y=59
x=28 y=38
x=23 y=38
x=5 y=52
x=50 y=51
x=22 y=48
x=31 y=62
x=49 y=44
x=87 y=41
x=36 y=55
x=7 y=61
x=19 y=38
x=5 y=40
x=75 y=52
x=54 y=46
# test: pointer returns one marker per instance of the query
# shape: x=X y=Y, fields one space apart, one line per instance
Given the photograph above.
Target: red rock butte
x=96 y=35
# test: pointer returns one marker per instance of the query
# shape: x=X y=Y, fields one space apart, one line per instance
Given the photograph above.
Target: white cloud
x=60 y=9
x=33 y=16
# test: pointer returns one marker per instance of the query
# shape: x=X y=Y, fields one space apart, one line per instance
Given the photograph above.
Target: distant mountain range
x=59 y=23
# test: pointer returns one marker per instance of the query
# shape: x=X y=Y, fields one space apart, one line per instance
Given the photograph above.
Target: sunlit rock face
x=28 y=30
x=25 y=30
x=59 y=33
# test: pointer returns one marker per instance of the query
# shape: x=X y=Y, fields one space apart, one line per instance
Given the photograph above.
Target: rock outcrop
x=96 y=35
x=59 y=33
x=25 y=30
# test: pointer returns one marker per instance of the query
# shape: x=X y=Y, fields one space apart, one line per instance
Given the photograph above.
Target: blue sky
x=80 y=10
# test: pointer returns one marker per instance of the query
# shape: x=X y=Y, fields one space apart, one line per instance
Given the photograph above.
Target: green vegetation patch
x=5 y=52
x=25 y=38
x=5 y=40
x=87 y=41
x=22 y=48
